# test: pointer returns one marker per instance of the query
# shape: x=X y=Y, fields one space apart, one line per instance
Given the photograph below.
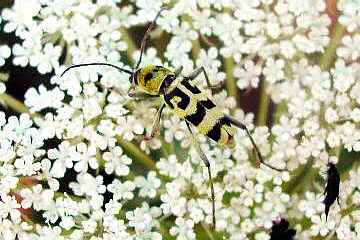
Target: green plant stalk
x=207 y=231
x=131 y=45
x=11 y=102
x=280 y=108
x=327 y=59
x=301 y=178
x=137 y=153
x=195 y=50
x=230 y=80
x=264 y=105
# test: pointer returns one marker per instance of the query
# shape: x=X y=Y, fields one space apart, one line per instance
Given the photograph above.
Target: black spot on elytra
x=197 y=117
x=332 y=187
x=215 y=132
x=192 y=89
x=184 y=99
x=207 y=103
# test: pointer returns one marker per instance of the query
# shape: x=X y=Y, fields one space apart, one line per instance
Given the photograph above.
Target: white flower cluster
x=79 y=162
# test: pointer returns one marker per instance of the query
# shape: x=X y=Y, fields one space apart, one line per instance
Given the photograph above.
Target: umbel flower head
x=74 y=163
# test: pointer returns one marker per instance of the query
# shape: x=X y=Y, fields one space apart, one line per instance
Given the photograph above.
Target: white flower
x=169 y=166
x=311 y=205
x=147 y=186
x=5 y=53
x=126 y=127
x=344 y=76
x=20 y=16
x=85 y=156
x=351 y=48
x=274 y=70
x=9 y=206
x=183 y=35
x=351 y=14
x=172 y=201
x=117 y=162
x=184 y=229
x=39 y=100
x=209 y=60
x=31 y=146
x=26 y=165
x=121 y=190
x=91 y=108
x=321 y=225
x=49 y=233
x=89 y=226
x=15 y=128
x=248 y=76
x=88 y=185
x=63 y=158
x=140 y=219
x=303 y=44
x=47 y=59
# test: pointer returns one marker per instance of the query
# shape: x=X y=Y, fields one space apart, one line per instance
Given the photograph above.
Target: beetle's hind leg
x=242 y=126
x=207 y=164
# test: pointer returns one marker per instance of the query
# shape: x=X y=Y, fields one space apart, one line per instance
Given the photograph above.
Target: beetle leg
x=140 y=95
x=156 y=124
x=178 y=71
x=207 y=164
x=155 y=129
x=242 y=126
x=197 y=72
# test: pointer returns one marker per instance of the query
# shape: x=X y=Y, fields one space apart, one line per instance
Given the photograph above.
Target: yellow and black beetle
x=186 y=101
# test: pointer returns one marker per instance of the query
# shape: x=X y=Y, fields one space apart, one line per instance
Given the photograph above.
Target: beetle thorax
x=150 y=78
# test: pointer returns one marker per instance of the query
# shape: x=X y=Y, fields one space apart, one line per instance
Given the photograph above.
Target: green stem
x=327 y=59
x=264 y=105
x=207 y=231
x=195 y=50
x=131 y=45
x=280 y=108
x=301 y=178
x=137 y=154
x=230 y=80
x=11 y=102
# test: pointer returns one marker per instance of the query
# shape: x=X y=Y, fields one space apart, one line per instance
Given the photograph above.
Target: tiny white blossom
x=351 y=48
x=9 y=206
x=121 y=190
x=147 y=186
x=5 y=53
x=183 y=230
x=117 y=162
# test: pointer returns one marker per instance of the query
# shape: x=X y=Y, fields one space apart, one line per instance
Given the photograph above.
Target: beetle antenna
x=92 y=64
x=146 y=36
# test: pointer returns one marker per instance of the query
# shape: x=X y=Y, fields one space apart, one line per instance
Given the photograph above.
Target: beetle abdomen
x=189 y=103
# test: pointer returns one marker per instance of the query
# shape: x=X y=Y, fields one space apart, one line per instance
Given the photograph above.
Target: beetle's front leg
x=140 y=95
x=155 y=129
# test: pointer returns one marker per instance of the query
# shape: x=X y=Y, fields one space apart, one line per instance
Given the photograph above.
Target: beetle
x=186 y=101
x=332 y=187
